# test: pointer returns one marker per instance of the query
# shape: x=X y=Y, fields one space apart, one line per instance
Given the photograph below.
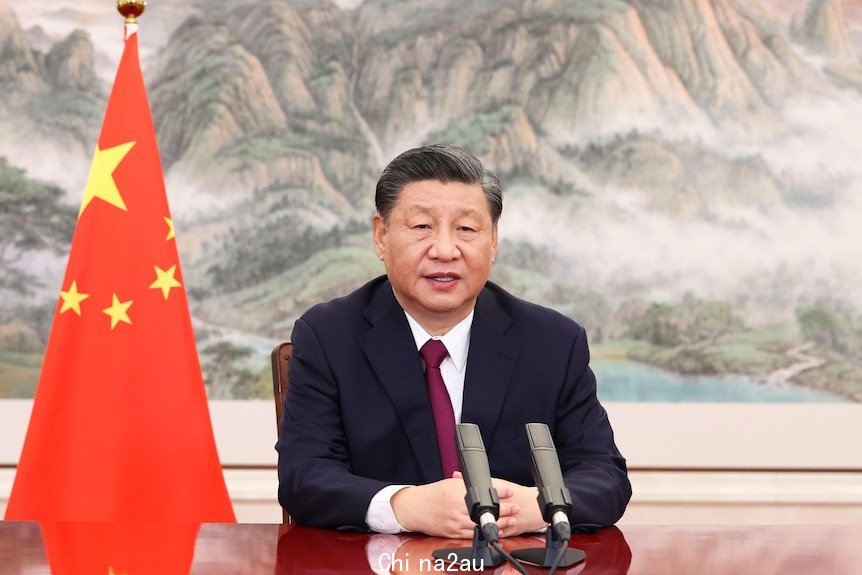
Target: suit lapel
x=391 y=351
x=490 y=364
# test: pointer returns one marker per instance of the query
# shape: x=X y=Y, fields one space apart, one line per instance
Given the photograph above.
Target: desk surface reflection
x=214 y=549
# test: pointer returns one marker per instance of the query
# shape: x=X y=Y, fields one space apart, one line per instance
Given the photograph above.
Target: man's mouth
x=443 y=277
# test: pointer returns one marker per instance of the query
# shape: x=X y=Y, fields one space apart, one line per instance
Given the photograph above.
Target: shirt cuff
x=380 y=517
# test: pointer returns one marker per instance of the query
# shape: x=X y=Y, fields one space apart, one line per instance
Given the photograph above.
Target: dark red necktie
x=434 y=352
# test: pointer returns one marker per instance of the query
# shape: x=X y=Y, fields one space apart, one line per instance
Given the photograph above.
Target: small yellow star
x=111 y=571
x=117 y=311
x=100 y=182
x=170 y=223
x=165 y=280
x=72 y=299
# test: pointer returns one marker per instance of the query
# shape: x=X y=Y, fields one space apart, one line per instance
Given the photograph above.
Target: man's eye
x=421 y=226
x=466 y=229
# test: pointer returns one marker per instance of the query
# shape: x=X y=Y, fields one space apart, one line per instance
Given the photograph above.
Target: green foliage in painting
x=32 y=218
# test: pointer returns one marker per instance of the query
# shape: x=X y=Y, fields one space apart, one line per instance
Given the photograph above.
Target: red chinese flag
x=120 y=428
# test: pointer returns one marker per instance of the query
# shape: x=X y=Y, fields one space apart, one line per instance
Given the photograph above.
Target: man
x=359 y=440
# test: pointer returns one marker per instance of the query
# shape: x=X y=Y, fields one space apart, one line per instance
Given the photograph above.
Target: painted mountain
x=682 y=176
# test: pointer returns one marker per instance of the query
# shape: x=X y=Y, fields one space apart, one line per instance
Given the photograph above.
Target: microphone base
x=480 y=556
x=545 y=557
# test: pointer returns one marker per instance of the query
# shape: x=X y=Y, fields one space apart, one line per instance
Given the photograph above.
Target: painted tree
x=32 y=219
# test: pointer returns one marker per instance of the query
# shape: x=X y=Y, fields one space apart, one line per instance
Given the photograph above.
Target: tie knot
x=433 y=352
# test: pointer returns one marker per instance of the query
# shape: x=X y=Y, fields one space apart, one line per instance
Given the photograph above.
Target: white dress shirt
x=380 y=517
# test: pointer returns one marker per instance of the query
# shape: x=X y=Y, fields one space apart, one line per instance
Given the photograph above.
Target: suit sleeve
x=316 y=485
x=593 y=468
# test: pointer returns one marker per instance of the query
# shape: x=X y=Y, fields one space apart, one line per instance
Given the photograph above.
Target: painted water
x=627 y=381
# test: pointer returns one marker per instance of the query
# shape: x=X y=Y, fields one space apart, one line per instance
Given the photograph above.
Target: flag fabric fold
x=120 y=428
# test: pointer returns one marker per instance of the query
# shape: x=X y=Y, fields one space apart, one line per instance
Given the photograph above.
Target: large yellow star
x=170 y=223
x=117 y=311
x=100 y=182
x=111 y=571
x=165 y=280
x=72 y=299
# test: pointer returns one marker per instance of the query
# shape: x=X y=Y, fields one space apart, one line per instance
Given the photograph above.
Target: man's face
x=437 y=249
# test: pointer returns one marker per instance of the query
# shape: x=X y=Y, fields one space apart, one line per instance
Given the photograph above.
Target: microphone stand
x=555 y=501
x=480 y=555
x=482 y=502
x=547 y=556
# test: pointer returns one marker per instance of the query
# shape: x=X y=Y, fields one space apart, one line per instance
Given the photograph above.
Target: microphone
x=555 y=501
x=483 y=504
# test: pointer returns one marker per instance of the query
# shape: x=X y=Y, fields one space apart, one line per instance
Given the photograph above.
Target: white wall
x=691 y=463
x=651 y=435
x=669 y=498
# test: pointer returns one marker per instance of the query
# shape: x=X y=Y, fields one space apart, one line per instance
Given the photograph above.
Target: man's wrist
x=380 y=516
x=400 y=503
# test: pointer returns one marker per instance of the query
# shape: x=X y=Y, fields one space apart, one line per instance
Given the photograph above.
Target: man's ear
x=378 y=236
x=493 y=243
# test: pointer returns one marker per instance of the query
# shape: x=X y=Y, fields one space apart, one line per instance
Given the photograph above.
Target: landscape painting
x=681 y=177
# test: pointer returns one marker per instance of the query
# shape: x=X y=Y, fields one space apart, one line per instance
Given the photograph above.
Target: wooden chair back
x=280 y=357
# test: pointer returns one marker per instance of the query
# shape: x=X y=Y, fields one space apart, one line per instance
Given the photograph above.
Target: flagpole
x=120 y=429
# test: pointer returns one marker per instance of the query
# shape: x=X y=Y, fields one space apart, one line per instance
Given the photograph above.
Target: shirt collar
x=456 y=340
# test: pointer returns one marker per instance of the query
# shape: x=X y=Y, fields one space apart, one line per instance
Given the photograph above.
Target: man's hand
x=519 y=510
x=434 y=509
x=522 y=513
x=439 y=509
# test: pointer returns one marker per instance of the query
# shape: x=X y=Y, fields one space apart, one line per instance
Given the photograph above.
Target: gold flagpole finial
x=131 y=9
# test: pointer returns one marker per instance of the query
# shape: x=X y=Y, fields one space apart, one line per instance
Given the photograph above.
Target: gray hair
x=439 y=162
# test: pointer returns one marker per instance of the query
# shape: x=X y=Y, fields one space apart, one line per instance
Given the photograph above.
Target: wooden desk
x=216 y=549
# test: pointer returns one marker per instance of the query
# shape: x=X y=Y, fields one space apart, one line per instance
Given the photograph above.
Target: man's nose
x=444 y=246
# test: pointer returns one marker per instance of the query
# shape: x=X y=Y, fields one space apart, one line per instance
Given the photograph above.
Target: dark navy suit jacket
x=358 y=418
